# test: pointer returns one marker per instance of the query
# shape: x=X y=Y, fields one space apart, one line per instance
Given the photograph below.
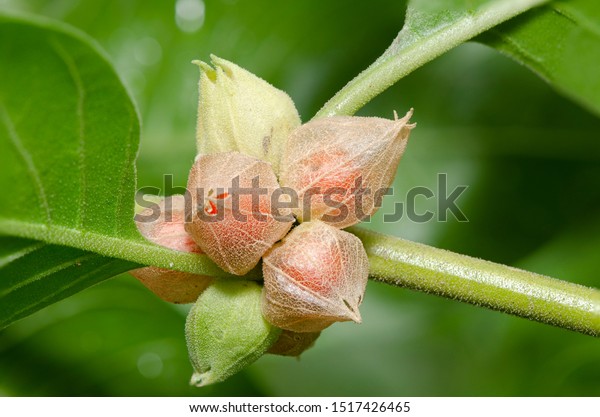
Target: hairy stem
x=408 y=53
x=536 y=297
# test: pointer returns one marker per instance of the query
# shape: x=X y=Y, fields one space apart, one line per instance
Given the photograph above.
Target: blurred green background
x=530 y=159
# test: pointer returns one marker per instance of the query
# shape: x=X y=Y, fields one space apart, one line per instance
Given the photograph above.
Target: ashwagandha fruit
x=315 y=276
x=238 y=111
x=232 y=218
x=225 y=331
x=293 y=343
x=163 y=224
x=341 y=166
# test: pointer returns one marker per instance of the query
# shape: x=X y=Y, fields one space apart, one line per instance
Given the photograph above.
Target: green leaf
x=69 y=136
x=431 y=28
x=34 y=274
x=561 y=43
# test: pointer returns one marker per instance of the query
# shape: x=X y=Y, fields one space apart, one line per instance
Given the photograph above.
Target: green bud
x=238 y=111
x=225 y=331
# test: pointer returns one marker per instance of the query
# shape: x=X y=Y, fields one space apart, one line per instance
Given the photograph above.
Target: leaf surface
x=561 y=43
x=34 y=274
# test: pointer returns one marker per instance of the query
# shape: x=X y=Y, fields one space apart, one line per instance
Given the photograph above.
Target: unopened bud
x=225 y=331
x=240 y=112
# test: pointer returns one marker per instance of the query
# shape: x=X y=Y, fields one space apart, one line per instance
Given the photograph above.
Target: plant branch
x=410 y=51
x=536 y=297
x=139 y=251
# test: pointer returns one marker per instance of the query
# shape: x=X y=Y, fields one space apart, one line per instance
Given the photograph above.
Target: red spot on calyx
x=210 y=207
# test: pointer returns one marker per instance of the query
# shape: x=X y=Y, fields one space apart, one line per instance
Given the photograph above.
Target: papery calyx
x=233 y=220
x=341 y=166
x=314 y=277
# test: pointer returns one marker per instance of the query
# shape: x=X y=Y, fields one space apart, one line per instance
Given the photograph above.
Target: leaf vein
x=28 y=159
x=77 y=81
x=55 y=268
x=40 y=302
x=123 y=182
x=18 y=254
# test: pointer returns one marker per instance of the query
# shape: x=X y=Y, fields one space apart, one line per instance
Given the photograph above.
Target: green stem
x=412 y=265
x=408 y=53
x=536 y=297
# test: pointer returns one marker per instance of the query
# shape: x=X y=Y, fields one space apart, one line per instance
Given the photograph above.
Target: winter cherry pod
x=163 y=224
x=232 y=218
x=316 y=276
x=341 y=166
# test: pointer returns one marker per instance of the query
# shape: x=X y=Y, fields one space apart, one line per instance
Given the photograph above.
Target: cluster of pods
x=266 y=188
